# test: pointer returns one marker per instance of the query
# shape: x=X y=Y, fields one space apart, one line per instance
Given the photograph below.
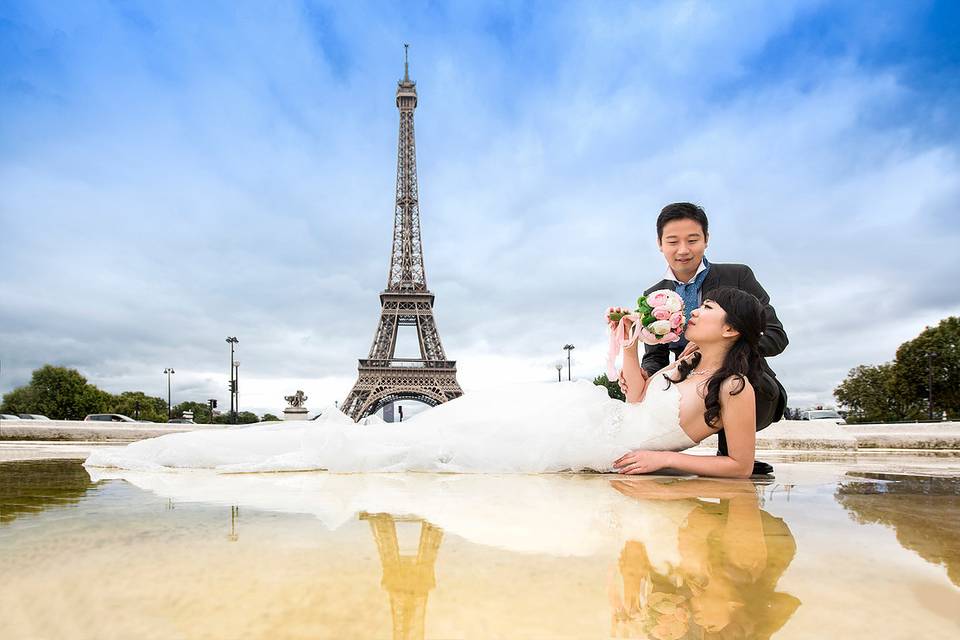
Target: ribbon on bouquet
x=621 y=337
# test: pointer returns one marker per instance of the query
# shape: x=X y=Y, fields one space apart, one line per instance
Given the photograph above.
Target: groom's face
x=682 y=244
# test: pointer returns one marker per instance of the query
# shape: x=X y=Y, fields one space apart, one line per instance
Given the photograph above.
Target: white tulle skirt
x=534 y=428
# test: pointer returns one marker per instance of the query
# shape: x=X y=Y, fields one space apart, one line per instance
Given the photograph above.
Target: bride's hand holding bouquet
x=658 y=319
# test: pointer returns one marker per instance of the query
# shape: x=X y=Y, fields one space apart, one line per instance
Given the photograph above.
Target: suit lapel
x=663 y=284
x=711 y=281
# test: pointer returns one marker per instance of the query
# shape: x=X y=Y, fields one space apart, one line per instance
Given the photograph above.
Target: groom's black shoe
x=762 y=468
x=759 y=468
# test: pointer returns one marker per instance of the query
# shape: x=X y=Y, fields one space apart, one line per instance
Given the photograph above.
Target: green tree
x=20 y=400
x=139 y=405
x=201 y=411
x=872 y=394
x=269 y=417
x=899 y=390
x=613 y=387
x=247 y=417
x=914 y=368
x=58 y=393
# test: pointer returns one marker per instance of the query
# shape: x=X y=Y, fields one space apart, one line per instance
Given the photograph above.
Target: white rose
x=660 y=328
x=674 y=302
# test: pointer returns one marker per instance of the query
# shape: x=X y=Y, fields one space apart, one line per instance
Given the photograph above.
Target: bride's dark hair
x=746 y=315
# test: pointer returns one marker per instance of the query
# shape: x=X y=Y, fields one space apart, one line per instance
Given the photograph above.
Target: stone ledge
x=91 y=431
x=821 y=435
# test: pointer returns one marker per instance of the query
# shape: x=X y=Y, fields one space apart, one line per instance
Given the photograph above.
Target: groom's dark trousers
x=770 y=395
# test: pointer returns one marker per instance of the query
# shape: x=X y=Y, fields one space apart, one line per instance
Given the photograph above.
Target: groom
x=682 y=237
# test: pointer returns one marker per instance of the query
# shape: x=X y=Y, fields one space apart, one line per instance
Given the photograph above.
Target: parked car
x=32 y=416
x=7 y=416
x=823 y=414
x=181 y=421
x=108 y=417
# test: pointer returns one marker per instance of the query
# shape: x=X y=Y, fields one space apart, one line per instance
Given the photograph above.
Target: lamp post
x=169 y=371
x=569 y=348
x=930 y=357
x=236 y=390
x=559 y=367
x=233 y=385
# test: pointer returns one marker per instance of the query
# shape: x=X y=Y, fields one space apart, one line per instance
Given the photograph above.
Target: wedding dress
x=537 y=428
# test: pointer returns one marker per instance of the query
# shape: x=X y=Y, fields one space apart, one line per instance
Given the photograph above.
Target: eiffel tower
x=406 y=302
x=408 y=579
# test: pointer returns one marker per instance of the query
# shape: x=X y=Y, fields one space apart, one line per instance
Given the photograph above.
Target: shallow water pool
x=864 y=547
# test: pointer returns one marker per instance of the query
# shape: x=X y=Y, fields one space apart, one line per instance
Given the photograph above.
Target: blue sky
x=173 y=173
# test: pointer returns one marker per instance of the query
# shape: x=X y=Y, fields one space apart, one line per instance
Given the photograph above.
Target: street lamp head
x=232 y=339
x=568 y=347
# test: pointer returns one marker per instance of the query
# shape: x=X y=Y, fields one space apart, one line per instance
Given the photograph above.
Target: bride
x=524 y=428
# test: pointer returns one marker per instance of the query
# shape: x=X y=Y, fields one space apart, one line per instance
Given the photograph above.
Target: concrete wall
x=91 y=431
x=826 y=434
x=918 y=435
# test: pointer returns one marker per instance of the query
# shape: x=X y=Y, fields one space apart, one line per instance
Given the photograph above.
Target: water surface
x=824 y=550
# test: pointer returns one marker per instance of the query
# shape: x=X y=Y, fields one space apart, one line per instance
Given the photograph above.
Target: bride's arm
x=637 y=379
x=738 y=417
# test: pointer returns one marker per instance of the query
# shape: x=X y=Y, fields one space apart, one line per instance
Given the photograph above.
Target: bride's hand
x=618 y=310
x=640 y=461
x=622 y=381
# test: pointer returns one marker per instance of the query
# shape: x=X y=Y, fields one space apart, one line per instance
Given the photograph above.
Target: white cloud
x=227 y=178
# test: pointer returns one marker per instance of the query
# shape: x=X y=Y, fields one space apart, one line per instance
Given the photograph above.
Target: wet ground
x=851 y=545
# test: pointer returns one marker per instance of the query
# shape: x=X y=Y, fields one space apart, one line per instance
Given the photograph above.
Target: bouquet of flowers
x=658 y=319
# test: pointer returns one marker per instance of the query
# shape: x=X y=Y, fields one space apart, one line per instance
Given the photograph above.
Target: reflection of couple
x=720 y=579
x=720 y=383
x=699 y=551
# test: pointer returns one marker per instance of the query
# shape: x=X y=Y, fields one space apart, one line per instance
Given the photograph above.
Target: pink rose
x=658 y=298
x=676 y=320
x=670 y=337
x=661 y=313
x=646 y=337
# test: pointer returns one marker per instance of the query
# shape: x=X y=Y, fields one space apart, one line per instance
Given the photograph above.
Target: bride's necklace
x=699 y=372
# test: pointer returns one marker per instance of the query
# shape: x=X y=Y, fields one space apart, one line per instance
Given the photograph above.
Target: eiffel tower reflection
x=407 y=578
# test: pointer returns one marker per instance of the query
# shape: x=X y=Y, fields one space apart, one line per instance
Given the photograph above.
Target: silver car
x=108 y=417
x=823 y=414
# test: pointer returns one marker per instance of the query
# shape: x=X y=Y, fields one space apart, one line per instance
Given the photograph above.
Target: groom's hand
x=690 y=349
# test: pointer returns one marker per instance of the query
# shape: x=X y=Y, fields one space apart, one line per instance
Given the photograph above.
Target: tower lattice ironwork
x=408 y=579
x=384 y=378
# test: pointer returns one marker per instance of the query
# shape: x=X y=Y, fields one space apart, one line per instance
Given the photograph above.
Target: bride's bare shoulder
x=736 y=386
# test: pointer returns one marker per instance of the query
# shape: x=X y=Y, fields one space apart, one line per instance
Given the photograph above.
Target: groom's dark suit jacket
x=771 y=397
